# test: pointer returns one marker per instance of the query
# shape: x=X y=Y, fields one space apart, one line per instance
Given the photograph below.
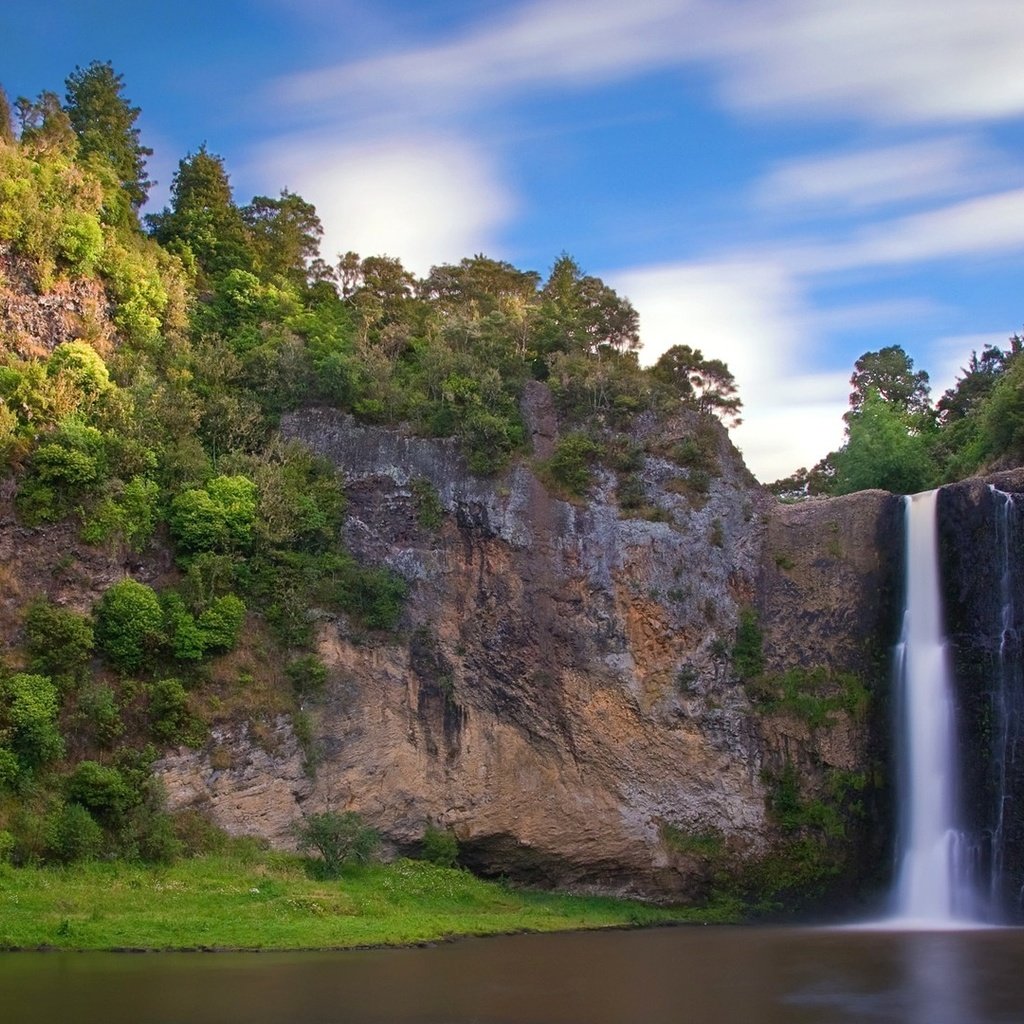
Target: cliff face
x=981 y=526
x=561 y=693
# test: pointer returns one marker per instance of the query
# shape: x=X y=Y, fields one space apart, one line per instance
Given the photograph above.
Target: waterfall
x=932 y=884
x=1007 y=699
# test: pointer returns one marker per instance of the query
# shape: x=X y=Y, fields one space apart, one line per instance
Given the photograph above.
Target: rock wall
x=980 y=541
x=560 y=691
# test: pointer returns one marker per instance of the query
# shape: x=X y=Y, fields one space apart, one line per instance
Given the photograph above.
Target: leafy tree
x=889 y=373
x=704 y=384
x=284 y=236
x=104 y=122
x=203 y=223
x=102 y=790
x=882 y=451
x=340 y=839
x=6 y=119
x=72 y=834
x=129 y=625
x=440 y=847
x=570 y=463
x=218 y=517
x=46 y=129
x=580 y=313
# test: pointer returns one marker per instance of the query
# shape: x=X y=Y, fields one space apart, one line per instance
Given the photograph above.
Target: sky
x=784 y=184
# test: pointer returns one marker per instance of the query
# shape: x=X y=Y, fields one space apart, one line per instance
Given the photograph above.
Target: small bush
x=308 y=674
x=129 y=625
x=747 y=652
x=71 y=834
x=60 y=642
x=171 y=718
x=102 y=790
x=32 y=704
x=440 y=847
x=340 y=839
x=570 y=464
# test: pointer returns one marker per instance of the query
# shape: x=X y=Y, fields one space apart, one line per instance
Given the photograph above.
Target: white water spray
x=931 y=887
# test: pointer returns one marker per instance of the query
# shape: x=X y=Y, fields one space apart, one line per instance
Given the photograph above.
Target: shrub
x=374 y=595
x=570 y=464
x=129 y=516
x=9 y=768
x=221 y=623
x=219 y=517
x=340 y=839
x=171 y=718
x=98 y=707
x=71 y=834
x=60 y=642
x=440 y=847
x=747 y=652
x=32 y=706
x=102 y=790
x=129 y=624
x=308 y=674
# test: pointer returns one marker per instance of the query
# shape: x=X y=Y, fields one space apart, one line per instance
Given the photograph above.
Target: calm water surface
x=678 y=975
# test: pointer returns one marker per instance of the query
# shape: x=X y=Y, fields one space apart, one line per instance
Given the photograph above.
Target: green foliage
x=221 y=622
x=10 y=769
x=747 y=651
x=218 y=517
x=129 y=625
x=374 y=595
x=308 y=675
x=339 y=839
x=128 y=516
x=103 y=790
x=29 y=705
x=882 y=450
x=71 y=834
x=812 y=694
x=105 y=125
x=100 y=711
x=171 y=718
x=429 y=510
x=59 y=641
x=703 y=843
x=440 y=847
x=570 y=463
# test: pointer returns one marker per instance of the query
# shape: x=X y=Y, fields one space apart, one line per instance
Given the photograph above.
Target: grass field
x=268 y=901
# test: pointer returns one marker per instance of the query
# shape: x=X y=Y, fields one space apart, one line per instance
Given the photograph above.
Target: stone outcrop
x=560 y=691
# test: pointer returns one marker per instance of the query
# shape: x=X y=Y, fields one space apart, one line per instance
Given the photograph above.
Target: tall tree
x=45 y=126
x=889 y=373
x=104 y=122
x=284 y=235
x=6 y=118
x=706 y=384
x=203 y=221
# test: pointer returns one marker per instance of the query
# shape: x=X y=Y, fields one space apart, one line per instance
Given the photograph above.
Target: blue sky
x=784 y=184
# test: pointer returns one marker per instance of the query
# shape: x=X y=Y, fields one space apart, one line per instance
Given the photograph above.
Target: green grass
x=269 y=902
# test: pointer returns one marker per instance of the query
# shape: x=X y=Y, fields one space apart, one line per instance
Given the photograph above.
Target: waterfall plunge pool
x=709 y=975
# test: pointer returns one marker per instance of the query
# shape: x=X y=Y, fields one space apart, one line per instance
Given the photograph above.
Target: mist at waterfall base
x=951 y=864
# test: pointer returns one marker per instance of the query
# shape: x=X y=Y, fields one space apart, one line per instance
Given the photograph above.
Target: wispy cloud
x=859 y=180
x=890 y=61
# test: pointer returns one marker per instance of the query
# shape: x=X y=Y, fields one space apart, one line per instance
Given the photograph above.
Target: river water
x=704 y=975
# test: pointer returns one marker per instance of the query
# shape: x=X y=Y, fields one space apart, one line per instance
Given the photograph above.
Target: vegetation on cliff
x=146 y=431
x=898 y=440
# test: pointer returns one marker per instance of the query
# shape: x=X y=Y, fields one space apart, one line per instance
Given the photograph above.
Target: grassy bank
x=268 y=901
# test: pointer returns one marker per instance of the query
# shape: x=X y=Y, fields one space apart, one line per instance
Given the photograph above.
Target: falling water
x=930 y=888
x=1008 y=743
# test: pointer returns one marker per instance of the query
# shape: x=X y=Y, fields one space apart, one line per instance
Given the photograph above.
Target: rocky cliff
x=561 y=693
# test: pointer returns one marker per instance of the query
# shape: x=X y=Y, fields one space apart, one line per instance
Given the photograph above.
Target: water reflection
x=668 y=976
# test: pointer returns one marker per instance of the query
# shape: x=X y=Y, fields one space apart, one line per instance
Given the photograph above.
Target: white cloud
x=857 y=180
x=897 y=61
x=544 y=43
x=424 y=200
x=751 y=315
x=980 y=227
